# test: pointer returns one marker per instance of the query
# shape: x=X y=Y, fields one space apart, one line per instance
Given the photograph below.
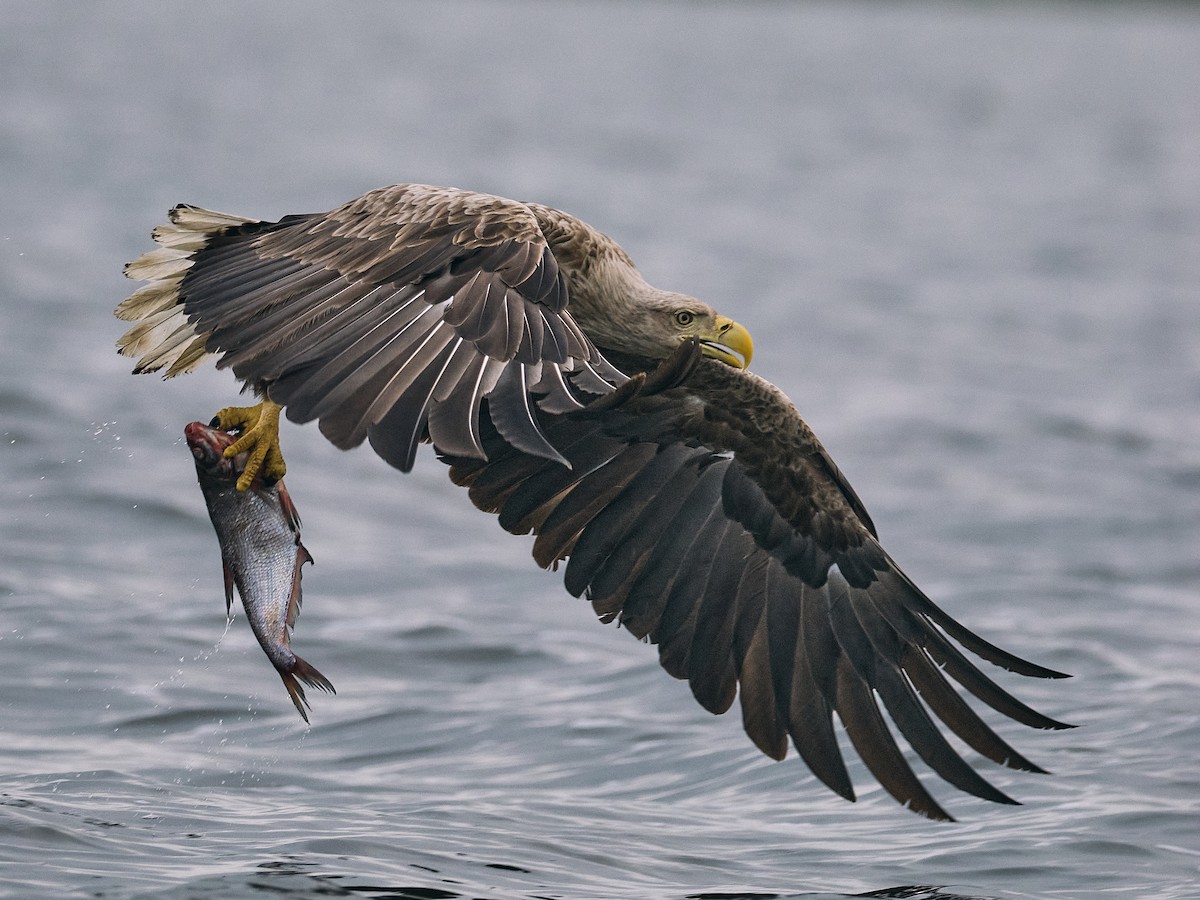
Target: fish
x=259 y=533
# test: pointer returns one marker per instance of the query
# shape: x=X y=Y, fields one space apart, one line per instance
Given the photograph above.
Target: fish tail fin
x=302 y=671
x=296 y=693
x=310 y=676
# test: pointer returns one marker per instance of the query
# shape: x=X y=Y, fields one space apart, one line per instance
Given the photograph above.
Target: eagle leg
x=259 y=427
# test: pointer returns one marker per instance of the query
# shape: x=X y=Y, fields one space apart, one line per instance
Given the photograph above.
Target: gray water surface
x=967 y=240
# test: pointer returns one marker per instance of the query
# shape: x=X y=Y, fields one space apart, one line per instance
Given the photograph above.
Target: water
x=967 y=239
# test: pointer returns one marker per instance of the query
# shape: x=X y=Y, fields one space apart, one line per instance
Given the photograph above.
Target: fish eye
x=684 y=318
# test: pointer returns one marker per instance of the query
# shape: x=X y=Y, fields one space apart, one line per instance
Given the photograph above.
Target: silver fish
x=259 y=533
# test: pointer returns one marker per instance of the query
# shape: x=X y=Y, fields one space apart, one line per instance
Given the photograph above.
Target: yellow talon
x=260 y=436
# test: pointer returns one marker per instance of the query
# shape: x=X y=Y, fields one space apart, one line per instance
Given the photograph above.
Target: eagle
x=616 y=422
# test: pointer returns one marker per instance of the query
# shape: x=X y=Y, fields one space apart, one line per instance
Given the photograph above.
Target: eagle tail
x=163 y=338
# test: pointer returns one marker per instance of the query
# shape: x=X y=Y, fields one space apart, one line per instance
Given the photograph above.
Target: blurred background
x=966 y=238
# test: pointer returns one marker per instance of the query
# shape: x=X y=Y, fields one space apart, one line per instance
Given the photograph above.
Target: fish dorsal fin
x=289 y=510
x=302 y=557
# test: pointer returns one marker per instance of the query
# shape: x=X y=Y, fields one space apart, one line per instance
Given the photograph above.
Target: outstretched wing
x=708 y=519
x=386 y=319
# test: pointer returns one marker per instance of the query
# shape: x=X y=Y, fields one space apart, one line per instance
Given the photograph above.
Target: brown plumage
x=691 y=503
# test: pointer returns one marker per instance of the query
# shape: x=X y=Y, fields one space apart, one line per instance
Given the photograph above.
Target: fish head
x=208 y=444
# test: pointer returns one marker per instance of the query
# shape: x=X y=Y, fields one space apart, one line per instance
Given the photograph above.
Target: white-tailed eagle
x=615 y=421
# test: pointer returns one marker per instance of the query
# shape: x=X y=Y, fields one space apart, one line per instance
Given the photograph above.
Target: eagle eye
x=684 y=318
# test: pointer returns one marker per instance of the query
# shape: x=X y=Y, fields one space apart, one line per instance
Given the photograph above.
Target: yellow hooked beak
x=729 y=342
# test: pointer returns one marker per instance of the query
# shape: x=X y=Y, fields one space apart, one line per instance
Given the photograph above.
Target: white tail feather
x=148 y=300
x=179 y=238
x=168 y=351
x=163 y=337
x=164 y=262
x=146 y=338
x=193 y=354
x=141 y=337
x=194 y=218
